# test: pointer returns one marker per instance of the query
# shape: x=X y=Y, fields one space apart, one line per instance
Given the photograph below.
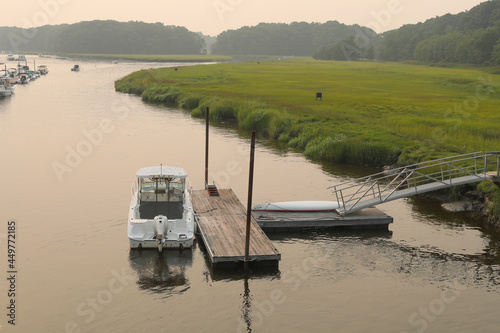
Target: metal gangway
x=416 y=179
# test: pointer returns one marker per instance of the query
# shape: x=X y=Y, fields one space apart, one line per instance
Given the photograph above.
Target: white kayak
x=297 y=206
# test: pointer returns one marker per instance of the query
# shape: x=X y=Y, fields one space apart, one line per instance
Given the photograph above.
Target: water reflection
x=431 y=211
x=4 y=104
x=325 y=234
x=162 y=273
x=246 y=306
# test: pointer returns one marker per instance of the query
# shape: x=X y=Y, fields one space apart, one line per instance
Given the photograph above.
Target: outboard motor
x=160 y=225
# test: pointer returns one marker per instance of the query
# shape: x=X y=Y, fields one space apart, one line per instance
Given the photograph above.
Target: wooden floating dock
x=222 y=225
x=365 y=218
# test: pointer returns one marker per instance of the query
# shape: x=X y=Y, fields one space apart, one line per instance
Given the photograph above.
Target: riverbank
x=150 y=57
x=370 y=113
x=155 y=58
x=481 y=201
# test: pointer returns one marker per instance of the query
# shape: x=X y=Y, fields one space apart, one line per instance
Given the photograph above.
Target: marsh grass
x=371 y=113
x=161 y=95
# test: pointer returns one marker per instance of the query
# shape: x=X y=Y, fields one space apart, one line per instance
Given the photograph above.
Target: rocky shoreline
x=478 y=203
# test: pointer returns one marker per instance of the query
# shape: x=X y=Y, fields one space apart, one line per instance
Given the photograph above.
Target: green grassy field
x=155 y=58
x=371 y=113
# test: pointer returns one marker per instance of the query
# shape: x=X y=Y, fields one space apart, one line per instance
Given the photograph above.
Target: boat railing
x=381 y=187
x=189 y=193
x=134 y=188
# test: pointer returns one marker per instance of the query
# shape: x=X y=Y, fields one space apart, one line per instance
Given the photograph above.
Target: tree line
x=468 y=37
x=294 y=39
x=103 y=37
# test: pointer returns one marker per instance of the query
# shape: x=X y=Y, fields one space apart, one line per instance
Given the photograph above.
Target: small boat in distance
x=76 y=68
x=297 y=206
x=161 y=211
x=43 y=69
x=10 y=57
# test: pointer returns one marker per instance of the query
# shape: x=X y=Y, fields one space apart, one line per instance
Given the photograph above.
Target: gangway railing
x=415 y=179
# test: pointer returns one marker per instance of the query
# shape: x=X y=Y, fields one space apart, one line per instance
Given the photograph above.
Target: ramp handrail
x=441 y=172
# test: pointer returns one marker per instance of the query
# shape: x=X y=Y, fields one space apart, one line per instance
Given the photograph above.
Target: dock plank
x=222 y=224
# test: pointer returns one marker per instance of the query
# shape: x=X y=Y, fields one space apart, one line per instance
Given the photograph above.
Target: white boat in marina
x=297 y=206
x=34 y=75
x=6 y=91
x=43 y=69
x=12 y=72
x=161 y=211
x=23 y=79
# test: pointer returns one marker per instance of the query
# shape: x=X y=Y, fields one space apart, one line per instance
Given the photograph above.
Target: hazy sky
x=214 y=16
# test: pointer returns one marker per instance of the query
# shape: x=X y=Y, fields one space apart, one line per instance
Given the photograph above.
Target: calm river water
x=70 y=147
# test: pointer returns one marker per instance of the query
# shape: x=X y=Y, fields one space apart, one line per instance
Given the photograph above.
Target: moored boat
x=43 y=69
x=6 y=90
x=161 y=211
x=23 y=79
x=12 y=72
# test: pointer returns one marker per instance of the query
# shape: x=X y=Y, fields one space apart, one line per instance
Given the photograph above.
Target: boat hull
x=142 y=234
x=4 y=92
x=152 y=244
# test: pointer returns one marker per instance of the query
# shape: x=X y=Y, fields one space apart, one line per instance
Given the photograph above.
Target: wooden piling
x=207 y=126
x=249 y=203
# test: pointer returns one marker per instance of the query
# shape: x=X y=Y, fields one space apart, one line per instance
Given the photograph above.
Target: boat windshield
x=162 y=188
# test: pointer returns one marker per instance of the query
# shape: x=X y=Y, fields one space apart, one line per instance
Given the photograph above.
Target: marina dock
x=284 y=221
x=222 y=226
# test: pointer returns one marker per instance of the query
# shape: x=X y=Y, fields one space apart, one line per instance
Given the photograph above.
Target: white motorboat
x=12 y=72
x=10 y=57
x=297 y=206
x=161 y=210
x=43 y=69
x=6 y=91
x=23 y=79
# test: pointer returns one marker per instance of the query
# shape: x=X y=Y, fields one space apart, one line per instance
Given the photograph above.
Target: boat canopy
x=163 y=171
